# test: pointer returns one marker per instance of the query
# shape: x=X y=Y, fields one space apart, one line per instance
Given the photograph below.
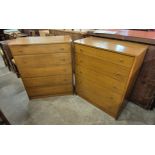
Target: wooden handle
x=117 y=75
x=114 y=87
x=81 y=50
x=111 y=97
x=121 y=60
x=20 y=51
x=63 y=59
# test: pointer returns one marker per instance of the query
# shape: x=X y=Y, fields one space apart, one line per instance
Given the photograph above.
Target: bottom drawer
x=49 y=91
x=105 y=100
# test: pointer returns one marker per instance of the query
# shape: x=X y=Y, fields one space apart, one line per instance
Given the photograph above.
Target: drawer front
x=112 y=57
x=106 y=93
x=48 y=81
x=45 y=71
x=103 y=67
x=45 y=60
x=50 y=90
x=39 y=49
x=109 y=102
x=101 y=80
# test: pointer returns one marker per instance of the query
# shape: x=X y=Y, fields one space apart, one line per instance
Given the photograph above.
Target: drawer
x=48 y=81
x=107 y=101
x=39 y=49
x=103 y=67
x=49 y=90
x=100 y=102
x=106 y=93
x=112 y=57
x=83 y=74
x=45 y=71
x=45 y=60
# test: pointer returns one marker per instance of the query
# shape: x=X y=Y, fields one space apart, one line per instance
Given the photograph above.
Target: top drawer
x=112 y=57
x=39 y=49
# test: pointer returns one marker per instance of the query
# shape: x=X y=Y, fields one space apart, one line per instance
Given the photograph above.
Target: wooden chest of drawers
x=45 y=64
x=106 y=70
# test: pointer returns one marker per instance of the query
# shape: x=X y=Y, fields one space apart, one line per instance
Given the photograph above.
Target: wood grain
x=45 y=60
x=49 y=90
x=39 y=49
x=105 y=71
x=40 y=40
x=45 y=65
x=116 y=46
x=104 y=67
x=115 y=58
x=104 y=80
x=48 y=80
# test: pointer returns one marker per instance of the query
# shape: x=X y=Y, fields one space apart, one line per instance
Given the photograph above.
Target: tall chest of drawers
x=105 y=71
x=45 y=64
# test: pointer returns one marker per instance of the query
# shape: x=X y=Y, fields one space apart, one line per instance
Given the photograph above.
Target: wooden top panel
x=122 y=47
x=40 y=40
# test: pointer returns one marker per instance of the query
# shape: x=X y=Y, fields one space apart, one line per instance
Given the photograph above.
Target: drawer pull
x=114 y=87
x=111 y=98
x=61 y=48
x=24 y=61
x=81 y=50
x=122 y=61
x=80 y=61
x=117 y=75
x=63 y=59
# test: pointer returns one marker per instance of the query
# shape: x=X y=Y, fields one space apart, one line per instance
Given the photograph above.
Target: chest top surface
x=122 y=47
x=40 y=40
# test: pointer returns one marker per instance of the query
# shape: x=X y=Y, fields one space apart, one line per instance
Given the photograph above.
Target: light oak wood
x=117 y=72
x=45 y=71
x=45 y=64
x=48 y=80
x=49 y=90
x=109 y=105
x=45 y=60
x=39 y=49
x=115 y=58
x=40 y=40
x=106 y=70
x=104 y=80
x=116 y=46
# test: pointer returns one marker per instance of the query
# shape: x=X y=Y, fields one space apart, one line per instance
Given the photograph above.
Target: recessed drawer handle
x=117 y=75
x=63 y=59
x=122 y=61
x=81 y=50
x=114 y=87
x=111 y=97
x=61 y=48
x=20 y=51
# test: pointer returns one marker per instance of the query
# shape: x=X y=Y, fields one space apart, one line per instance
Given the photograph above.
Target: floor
x=59 y=110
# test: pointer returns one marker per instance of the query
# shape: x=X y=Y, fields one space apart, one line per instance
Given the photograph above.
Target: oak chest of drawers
x=45 y=64
x=105 y=71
